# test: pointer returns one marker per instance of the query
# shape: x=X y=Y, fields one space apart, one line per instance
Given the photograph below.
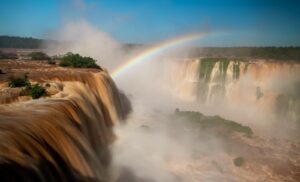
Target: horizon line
x=149 y=44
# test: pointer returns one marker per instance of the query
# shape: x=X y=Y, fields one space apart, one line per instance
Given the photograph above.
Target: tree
x=78 y=61
x=19 y=82
x=19 y=42
x=39 y=56
x=37 y=91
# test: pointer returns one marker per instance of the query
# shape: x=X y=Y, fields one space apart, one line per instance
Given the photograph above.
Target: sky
x=230 y=22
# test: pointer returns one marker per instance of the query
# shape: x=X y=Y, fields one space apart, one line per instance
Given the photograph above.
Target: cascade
x=251 y=82
x=64 y=137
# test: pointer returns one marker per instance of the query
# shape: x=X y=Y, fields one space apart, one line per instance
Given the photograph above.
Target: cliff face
x=64 y=136
x=267 y=85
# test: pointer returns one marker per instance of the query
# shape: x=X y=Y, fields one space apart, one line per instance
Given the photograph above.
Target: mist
x=151 y=146
x=85 y=39
x=154 y=100
x=182 y=91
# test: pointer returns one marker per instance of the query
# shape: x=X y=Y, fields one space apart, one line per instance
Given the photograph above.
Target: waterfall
x=213 y=81
x=183 y=79
x=251 y=82
x=64 y=137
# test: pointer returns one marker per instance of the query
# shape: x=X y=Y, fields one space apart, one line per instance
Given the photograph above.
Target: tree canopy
x=20 y=42
x=78 y=61
x=39 y=56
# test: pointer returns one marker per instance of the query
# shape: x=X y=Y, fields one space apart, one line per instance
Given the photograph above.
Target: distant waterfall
x=257 y=82
x=186 y=79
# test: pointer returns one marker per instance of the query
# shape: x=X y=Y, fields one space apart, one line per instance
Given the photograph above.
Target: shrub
x=51 y=62
x=77 y=61
x=37 y=91
x=207 y=122
x=19 y=82
x=39 y=56
x=239 y=161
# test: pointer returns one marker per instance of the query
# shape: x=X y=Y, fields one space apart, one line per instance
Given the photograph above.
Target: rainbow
x=154 y=51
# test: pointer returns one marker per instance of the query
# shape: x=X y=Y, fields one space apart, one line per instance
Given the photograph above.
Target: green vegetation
x=37 y=91
x=77 y=61
x=239 y=161
x=223 y=68
x=206 y=67
x=207 y=122
x=19 y=42
x=39 y=56
x=51 y=62
x=19 y=82
x=277 y=53
x=236 y=70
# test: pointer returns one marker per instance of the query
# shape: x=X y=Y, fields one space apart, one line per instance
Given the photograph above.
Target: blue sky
x=232 y=22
